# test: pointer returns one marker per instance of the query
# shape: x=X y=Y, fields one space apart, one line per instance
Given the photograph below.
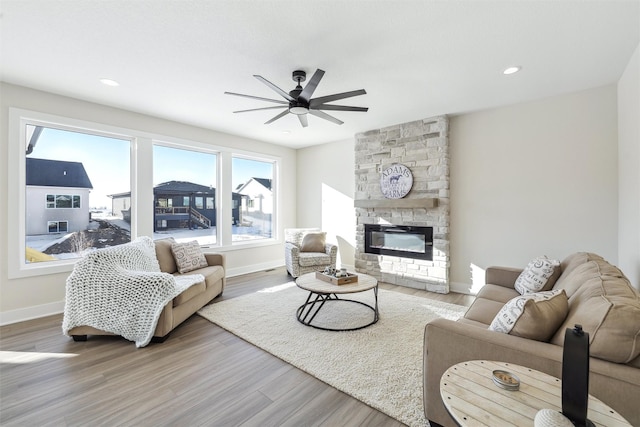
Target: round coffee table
x=321 y=293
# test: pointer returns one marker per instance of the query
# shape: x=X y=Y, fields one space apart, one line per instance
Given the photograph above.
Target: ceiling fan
x=299 y=101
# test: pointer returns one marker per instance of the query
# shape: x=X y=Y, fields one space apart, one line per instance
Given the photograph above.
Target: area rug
x=380 y=365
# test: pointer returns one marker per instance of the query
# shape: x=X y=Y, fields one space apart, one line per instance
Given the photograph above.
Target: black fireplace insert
x=405 y=241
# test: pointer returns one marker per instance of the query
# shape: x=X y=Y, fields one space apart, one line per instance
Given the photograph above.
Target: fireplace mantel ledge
x=425 y=203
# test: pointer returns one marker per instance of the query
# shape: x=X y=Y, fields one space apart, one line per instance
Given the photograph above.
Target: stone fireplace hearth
x=423 y=147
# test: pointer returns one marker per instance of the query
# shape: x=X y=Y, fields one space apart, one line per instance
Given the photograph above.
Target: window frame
x=141 y=185
x=18 y=121
x=275 y=185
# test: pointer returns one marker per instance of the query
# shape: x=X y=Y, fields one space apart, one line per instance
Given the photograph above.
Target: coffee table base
x=308 y=311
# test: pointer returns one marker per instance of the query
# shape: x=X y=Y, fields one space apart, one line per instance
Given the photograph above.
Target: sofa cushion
x=497 y=293
x=165 y=256
x=483 y=310
x=188 y=256
x=534 y=316
x=539 y=275
x=607 y=307
x=569 y=264
x=212 y=274
x=189 y=293
x=313 y=242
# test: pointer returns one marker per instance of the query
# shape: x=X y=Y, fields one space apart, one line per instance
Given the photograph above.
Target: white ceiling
x=175 y=58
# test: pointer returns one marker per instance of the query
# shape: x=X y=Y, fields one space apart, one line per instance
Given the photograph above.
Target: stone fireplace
x=423 y=147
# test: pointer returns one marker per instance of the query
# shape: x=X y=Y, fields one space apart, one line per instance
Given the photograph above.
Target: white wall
x=526 y=180
x=41 y=295
x=325 y=194
x=538 y=178
x=629 y=170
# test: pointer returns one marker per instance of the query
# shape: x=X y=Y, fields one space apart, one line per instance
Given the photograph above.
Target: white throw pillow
x=534 y=316
x=536 y=275
x=188 y=256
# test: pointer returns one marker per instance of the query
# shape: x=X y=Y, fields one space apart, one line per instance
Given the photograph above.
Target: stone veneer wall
x=422 y=146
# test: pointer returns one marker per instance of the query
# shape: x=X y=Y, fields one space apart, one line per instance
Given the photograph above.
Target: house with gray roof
x=178 y=204
x=57 y=196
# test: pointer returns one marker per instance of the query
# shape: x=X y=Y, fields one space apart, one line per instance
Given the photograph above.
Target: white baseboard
x=29 y=313
x=253 y=268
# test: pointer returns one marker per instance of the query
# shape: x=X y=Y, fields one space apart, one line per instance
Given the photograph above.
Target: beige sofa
x=182 y=306
x=600 y=298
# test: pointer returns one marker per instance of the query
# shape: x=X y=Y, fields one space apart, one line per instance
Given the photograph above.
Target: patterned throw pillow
x=535 y=316
x=188 y=256
x=536 y=276
x=313 y=242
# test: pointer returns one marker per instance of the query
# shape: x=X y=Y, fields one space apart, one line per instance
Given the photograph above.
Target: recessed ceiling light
x=511 y=70
x=286 y=132
x=109 y=82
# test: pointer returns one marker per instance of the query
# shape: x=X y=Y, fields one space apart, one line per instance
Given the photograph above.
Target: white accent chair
x=300 y=262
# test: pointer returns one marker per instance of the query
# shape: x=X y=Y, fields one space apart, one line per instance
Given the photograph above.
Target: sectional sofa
x=598 y=296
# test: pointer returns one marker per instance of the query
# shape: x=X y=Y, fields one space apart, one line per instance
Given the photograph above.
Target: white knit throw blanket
x=121 y=289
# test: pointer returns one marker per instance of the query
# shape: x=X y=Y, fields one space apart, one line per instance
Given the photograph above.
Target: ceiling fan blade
x=339 y=108
x=325 y=116
x=308 y=90
x=284 y=94
x=303 y=120
x=279 y=116
x=258 y=109
x=278 y=101
x=336 y=97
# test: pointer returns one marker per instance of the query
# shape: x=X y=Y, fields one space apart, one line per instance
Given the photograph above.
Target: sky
x=107 y=163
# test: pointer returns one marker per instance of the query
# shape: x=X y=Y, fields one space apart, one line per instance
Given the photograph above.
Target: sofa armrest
x=447 y=343
x=502 y=276
x=216 y=259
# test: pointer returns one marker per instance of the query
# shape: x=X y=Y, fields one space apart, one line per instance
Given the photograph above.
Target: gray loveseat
x=600 y=298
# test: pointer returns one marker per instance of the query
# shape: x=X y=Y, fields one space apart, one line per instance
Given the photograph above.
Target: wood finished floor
x=202 y=375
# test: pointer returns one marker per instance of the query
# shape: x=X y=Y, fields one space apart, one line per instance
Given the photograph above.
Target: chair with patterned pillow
x=306 y=250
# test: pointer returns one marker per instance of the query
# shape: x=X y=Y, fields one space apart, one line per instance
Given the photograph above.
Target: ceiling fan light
x=298 y=110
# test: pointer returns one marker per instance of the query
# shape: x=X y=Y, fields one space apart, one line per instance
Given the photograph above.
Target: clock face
x=396 y=181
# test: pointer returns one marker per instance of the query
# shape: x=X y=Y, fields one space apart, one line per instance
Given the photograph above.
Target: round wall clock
x=396 y=181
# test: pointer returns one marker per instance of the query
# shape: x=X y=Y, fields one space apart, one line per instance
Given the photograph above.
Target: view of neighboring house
x=178 y=204
x=257 y=197
x=57 y=196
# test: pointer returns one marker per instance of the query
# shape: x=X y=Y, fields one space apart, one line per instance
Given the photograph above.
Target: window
x=184 y=174
x=253 y=183
x=62 y=201
x=57 y=226
x=74 y=172
x=199 y=203
x=73 y=179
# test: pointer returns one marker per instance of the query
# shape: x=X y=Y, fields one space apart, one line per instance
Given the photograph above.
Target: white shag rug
x=380 y=365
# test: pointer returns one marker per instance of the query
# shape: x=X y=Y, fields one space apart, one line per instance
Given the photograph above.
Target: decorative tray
x=344 y=280
x=506 y=380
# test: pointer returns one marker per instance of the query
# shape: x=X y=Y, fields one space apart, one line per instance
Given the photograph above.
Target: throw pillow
x=313 y=242
x=535 y=316
x=188 y=256
x=536 y=276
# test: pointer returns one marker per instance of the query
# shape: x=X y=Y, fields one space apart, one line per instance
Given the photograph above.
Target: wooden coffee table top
x=472 y=399
x=308 y=282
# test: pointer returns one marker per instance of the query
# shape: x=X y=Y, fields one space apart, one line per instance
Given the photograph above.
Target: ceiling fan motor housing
x=299 y=76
